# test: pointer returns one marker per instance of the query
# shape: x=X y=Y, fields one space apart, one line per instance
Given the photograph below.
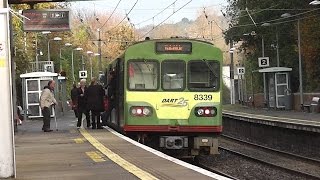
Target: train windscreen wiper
x=210 y=68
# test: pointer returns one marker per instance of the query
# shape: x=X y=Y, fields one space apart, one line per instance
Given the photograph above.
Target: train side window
x=204 y=75
x=143 y=75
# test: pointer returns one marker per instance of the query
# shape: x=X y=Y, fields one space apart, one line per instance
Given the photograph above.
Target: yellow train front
x=169 y=94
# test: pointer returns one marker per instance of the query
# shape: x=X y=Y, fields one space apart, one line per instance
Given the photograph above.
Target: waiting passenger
x=82 y=104
x=95 y=94
x=74 y=98
x=47 y=100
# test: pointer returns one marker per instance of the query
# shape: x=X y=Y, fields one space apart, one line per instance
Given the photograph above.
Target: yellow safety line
x=95 y=156
x=79 y=140
x=117 y=159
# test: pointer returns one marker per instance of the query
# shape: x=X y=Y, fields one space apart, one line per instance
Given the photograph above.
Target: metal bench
x=312 y=106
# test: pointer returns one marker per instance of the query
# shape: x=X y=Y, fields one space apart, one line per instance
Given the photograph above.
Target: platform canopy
x=275 y=69
x=38 y=74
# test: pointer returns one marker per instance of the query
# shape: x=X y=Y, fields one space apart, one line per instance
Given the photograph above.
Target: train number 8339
x=202 y=97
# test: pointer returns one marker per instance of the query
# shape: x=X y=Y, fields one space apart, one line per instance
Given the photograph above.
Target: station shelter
x=32 y=85
x=277 y=87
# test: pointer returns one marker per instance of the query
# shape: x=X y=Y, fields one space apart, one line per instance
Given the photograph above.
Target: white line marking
x=169 y=158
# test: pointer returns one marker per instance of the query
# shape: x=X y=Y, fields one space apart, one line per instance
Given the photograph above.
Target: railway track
x=203 y=166
x=287 y=154
x=289 y=170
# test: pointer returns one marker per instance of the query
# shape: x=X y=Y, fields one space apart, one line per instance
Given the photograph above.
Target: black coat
x=74 y=94
x=95 y=95
x=82 y=99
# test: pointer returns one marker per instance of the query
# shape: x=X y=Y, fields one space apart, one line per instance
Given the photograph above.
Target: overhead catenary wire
x=167 y=18
x=207 y=17
x=278 y=19
x=127 y=14
x=157 y=13
x=114 y=10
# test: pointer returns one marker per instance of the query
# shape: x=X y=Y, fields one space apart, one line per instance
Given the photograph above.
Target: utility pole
x=99 y=51
x=82 y=61
x=232 y=73
x=300 y=66
x=37 y=60
x=7 y=160
x=278 y=56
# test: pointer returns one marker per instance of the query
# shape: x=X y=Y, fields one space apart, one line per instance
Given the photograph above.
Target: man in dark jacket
x=74 y=98
x=82 y=104
x=95 y=94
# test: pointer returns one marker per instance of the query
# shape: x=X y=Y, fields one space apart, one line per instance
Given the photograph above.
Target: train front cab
x=172 y=99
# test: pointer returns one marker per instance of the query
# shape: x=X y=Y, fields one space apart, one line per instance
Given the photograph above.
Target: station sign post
x=83 y=74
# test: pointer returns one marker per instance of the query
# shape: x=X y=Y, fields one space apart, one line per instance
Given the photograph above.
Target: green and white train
x=169 y=93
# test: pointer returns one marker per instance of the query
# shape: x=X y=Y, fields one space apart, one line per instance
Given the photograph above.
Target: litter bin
x=288 y=98
x=315 y=105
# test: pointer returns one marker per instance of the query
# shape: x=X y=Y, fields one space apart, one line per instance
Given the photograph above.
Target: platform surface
x=277 y=116
x=90 y=154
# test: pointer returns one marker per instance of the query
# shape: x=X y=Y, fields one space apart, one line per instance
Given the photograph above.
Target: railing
x=43 y=66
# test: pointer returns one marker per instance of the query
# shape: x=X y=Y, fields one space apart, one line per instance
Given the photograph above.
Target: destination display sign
x=46 y=20
x=174 y=47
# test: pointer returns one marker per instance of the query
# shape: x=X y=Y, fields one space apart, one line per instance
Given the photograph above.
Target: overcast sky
x=146 y=9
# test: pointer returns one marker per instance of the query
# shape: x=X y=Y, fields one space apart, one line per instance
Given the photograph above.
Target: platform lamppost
x=72 y=65
x=287 y=15
x=37 y=54
x=54 y=39
x=60 y=53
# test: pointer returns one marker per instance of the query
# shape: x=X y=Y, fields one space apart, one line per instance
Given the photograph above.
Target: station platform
x=287 y=119
x=92 y=154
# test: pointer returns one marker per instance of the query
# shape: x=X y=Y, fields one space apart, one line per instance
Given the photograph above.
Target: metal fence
x=43 y=66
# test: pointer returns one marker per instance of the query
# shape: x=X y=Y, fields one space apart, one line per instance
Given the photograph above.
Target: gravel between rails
x=293 y=163
x=242 y=168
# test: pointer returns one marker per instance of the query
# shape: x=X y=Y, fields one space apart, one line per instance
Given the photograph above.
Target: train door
x=120 y=94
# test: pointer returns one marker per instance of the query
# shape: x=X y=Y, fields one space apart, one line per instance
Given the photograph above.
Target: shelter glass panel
x=32 y=85
x=281 y=89
x=34 y=110
x=43 y=83
x=33 y=97
x=281 y=78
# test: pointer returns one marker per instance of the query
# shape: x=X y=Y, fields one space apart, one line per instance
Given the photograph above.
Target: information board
x=46 y=20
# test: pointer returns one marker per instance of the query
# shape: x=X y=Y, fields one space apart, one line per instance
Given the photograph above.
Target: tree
x=269 y=11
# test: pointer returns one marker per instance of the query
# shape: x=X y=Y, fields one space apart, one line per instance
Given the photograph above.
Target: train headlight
x=205 y=111
x=200 y=112
x=146 y=111
x=133 y=111
x=141 y=111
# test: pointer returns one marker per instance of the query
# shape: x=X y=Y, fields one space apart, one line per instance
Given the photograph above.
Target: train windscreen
x=143 y=75
x=203 y=75
x=173 y=75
